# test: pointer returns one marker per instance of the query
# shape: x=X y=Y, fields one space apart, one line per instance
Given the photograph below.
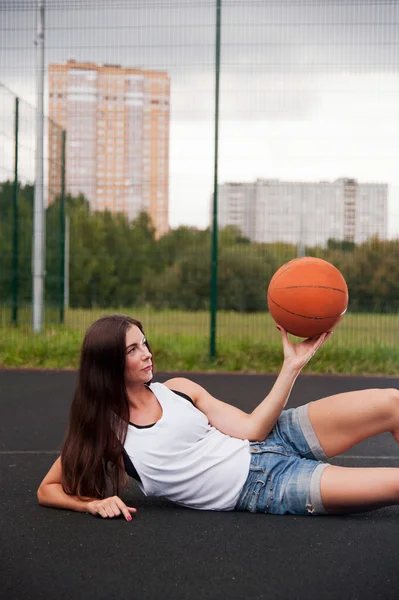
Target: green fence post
x=62 y=230
x=15 y=257
x=214 y=259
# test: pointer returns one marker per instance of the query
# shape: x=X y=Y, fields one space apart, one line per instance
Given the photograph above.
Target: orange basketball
x=307 y=296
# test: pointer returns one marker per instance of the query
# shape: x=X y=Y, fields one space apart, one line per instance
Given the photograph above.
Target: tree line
x=115 y=262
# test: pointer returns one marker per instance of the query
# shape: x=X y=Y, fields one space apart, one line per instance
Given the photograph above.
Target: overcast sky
x=309 y=90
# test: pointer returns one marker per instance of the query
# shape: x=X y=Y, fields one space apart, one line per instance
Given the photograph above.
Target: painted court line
x=346 y=456
x=358 y=456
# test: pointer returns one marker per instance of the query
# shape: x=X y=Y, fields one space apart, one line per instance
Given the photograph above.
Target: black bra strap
x=129 y=466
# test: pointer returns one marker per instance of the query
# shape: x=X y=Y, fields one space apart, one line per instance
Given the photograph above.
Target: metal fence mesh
x=308 y=137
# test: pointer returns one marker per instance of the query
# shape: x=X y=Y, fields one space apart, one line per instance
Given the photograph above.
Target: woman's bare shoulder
x=181 y=384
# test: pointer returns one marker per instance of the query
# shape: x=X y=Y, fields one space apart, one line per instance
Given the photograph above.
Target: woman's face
x=138 y=367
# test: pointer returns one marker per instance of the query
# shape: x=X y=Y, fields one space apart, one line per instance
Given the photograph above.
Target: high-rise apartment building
x=117 y=143
x=269 y=210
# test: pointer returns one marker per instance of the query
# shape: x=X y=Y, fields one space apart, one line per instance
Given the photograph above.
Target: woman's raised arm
x=296 y=356
x=258 y=424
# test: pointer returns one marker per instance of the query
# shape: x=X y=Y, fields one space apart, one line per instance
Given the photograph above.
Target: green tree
x=244 y=275
x=178 y=243
x=345 y=245
x=25 y=230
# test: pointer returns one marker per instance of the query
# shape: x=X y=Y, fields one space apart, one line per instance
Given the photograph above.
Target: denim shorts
x=285 y=469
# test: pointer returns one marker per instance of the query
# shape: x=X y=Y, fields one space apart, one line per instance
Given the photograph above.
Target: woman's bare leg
x=343 y=420
x=348 y=490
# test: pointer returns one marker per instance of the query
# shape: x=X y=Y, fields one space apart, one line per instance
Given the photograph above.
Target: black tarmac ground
x=168 y=552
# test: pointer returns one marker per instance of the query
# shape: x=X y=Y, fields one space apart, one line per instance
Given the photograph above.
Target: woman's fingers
x=127 y=511
x=302 y=350
x=323 y=338
x=320 y=339
x=112 y=511
x=329 y=334
x=284 y=334
x=113 y=507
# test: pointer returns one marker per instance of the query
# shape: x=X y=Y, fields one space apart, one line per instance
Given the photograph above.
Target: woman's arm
x=50 y=493
x=296 y=356
x=257 y=425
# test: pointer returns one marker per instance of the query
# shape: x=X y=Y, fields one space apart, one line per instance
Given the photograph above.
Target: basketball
x=307 y=296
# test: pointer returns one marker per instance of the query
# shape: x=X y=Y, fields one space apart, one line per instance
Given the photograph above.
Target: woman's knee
x=392 y=400
x=389 y=409
x=382 y=406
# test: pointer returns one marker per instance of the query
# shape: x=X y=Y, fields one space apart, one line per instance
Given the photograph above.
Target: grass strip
x=59 y=348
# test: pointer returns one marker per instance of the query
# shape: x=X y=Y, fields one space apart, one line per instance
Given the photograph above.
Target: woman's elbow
x=41 y=495
x=255 y=433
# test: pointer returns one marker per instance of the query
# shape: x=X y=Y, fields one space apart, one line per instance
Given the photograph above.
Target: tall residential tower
x=117 y=150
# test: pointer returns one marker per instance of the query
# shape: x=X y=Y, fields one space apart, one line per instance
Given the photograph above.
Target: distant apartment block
x=305 y=213
x=117 y=148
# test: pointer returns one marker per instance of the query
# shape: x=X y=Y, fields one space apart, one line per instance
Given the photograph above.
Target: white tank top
x=185 y=459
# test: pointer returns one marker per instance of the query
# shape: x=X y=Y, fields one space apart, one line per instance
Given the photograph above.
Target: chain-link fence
x=307 y=129
x=17 y=192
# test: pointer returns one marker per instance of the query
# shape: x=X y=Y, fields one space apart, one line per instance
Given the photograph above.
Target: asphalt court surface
x=169 y=551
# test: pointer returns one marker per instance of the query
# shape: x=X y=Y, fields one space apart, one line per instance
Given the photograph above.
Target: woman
x=181 y=443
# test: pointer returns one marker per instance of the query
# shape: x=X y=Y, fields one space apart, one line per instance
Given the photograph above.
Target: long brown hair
x=92 y=452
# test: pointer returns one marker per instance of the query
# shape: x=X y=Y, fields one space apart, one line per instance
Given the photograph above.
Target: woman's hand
x=297 y=355
x=110 y=507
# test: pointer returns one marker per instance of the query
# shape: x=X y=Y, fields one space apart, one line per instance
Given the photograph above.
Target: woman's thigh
x=347 y=489
x=343 y=420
